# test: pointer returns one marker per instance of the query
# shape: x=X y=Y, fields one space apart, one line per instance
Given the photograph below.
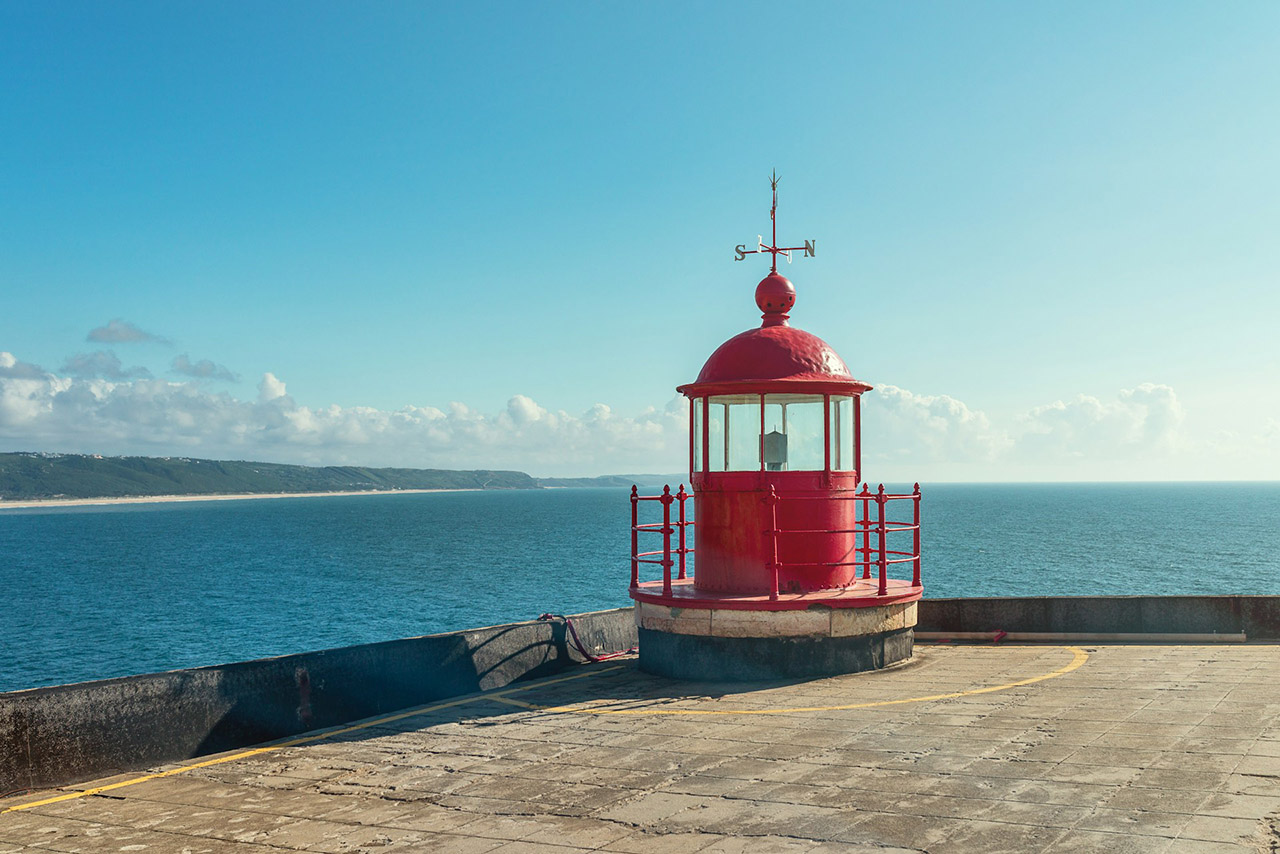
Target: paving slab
x=983 y=748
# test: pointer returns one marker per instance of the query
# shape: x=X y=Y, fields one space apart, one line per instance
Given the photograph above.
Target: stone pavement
x=966 y=749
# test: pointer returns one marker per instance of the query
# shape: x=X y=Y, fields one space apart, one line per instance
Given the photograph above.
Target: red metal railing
x=665 y=528
x=881 y=527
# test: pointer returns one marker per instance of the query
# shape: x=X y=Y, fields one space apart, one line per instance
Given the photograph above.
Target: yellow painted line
x=307 y=739
x=1079 y=657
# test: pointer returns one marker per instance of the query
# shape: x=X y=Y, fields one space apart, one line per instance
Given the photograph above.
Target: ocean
x=96 y=592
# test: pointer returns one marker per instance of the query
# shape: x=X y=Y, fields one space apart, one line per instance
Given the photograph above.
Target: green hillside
x=34 y=476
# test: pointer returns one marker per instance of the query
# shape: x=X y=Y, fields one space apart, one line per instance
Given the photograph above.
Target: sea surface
x=94 y=592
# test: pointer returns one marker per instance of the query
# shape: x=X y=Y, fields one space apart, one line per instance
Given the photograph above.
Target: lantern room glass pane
x=716 y=456
x=734 y=421
x=793 y=432
x=744 y=436
x=696 y=437
x=842 y=433
x=775 y=439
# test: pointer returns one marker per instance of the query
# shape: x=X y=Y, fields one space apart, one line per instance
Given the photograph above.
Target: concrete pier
x=974 y=748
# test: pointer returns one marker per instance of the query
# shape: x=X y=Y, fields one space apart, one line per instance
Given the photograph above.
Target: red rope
x=577 y=642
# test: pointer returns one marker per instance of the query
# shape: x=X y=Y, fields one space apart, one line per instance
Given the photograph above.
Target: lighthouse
x=788 y=566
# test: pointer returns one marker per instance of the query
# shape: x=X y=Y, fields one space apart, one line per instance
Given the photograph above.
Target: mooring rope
x=578 y=645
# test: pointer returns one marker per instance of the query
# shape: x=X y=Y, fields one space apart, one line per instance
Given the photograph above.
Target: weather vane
x=773 y=248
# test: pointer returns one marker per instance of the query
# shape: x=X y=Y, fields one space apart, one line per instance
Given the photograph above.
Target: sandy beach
x=165 y=499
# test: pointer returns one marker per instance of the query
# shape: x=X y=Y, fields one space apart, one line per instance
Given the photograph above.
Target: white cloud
x=203 y=369
x=270 y=388
x=902 y=426
x=1255 y=453
x=11 y=368
x=119 y=331
x=26 y=392
x=101 y=363
x=1142 y=421
x=1271 y=433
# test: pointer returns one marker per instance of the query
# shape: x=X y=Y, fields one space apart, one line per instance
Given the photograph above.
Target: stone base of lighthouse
x=722 y=644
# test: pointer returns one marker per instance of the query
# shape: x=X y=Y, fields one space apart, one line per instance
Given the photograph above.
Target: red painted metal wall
x=735 y=550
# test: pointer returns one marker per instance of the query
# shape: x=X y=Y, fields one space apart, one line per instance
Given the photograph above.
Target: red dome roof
x=776 y=356
x=774 y=353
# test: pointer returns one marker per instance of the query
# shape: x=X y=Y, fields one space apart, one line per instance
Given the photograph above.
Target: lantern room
x=795 y=570
x=774 y=408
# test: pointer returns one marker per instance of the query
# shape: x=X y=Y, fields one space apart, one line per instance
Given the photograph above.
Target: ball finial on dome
x=775 y=296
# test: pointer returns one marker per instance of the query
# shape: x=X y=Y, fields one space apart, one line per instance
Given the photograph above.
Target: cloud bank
x=901 y=426
x=41 y=410
x=95 y=404
x=1144 y=420
x=1136 y=435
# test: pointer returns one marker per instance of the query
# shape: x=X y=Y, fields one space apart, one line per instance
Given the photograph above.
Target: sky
x=498 y=235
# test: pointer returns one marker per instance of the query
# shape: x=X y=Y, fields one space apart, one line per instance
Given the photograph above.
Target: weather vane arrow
x=741 y=251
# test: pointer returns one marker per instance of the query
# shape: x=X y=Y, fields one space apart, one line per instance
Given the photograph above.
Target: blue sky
x=501 y=234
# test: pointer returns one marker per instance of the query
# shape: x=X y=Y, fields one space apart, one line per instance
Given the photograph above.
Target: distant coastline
x=34 y=476
x=28 y=504
x=43 y=479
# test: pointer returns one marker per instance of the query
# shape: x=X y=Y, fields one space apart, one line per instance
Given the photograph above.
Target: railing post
x=884 y=566
x=866 y=531
x=635 y=538
x=666 y=540
x=915 y=575
x=682 y=496
x=772 y=500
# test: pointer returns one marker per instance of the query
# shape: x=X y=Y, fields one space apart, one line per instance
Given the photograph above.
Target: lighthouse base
x=722 y=645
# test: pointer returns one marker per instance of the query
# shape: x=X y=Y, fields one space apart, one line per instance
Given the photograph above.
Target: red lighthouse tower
x=797 y=571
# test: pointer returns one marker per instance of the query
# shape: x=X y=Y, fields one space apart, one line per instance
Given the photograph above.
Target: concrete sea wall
x=1256 y=618
x=61 y=735
x=64 y=734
